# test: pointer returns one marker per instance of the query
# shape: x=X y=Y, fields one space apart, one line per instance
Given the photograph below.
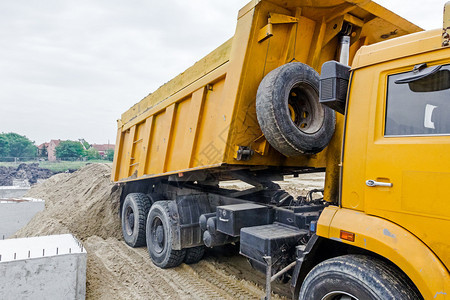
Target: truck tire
x=160 y=236
x=289 y=112
x=194 y=254
x=134 y=216
x=356 y=277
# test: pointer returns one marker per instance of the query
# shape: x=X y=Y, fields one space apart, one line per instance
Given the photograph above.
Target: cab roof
x=411 y=44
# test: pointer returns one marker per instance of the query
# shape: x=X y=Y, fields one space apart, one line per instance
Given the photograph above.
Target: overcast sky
x=69 y=69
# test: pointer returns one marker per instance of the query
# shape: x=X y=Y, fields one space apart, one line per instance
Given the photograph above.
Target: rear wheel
x=352 y=277
x=160 y=236
x=134 y=216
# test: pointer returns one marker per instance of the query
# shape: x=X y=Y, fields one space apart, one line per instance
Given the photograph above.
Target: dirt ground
x=85 y=204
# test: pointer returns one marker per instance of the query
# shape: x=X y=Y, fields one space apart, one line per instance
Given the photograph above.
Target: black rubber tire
x=357 y=276
x=194 y=254
x=135 y=209
x=289 y=112
x=160 y=236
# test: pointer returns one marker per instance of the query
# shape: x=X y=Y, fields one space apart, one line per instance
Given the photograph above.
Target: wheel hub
x=305 y=114
x=159 y=234
x=339 y=295
x=129 y=221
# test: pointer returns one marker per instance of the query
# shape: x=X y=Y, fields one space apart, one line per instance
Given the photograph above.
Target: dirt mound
x=30 y=172
x=82 y=203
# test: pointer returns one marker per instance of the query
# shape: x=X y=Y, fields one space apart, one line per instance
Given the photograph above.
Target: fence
x=19 y=160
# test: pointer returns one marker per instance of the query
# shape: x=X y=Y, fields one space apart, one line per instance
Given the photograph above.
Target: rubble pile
x=26 y=172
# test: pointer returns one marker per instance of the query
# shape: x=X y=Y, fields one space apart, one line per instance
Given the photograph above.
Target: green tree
x=110 y=154
x=20 y=145
x=92 y=153
x=69 y=150
x=4 y=146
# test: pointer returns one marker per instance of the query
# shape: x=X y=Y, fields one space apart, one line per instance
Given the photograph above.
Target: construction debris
x=23 y=175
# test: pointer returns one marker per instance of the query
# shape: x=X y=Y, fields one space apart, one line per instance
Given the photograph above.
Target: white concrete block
x=14 y=214
x=13 y=191
x=48 y=267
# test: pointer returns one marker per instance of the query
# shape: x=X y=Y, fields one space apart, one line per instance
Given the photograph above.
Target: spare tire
x=289 y=112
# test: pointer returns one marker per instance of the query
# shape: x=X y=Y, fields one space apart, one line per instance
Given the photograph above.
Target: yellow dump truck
x=376 y=120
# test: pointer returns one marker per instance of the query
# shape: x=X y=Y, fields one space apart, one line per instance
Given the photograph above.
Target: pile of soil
x=30 y=172
x=85 y=203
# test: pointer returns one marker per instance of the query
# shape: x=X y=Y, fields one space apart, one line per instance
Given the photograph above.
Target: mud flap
x=301 y=267
x=185 y=213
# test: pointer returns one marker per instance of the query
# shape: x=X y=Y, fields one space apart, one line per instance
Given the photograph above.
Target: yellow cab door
x=407 y=169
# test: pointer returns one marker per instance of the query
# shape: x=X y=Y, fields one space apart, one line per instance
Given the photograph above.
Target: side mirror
x=333 y=85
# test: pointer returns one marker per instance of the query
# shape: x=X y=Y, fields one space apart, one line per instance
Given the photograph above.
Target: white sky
x=69 y=69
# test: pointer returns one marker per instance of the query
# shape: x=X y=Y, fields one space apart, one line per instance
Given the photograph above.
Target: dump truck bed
x=205 y=118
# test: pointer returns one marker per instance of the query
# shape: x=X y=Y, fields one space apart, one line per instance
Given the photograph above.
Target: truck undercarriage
x=271 y=226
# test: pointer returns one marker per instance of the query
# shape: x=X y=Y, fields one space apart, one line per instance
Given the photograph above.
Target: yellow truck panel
x=415 y=165
x=199 y=119
x=393 y=242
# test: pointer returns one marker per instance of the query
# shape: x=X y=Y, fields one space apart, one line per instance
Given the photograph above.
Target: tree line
x=16 y=145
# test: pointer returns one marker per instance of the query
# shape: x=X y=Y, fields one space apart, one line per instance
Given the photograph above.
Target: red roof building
x=102 y=148
x=50 y=147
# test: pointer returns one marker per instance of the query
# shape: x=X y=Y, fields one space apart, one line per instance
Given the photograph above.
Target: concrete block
x=14 y=214
x=21 y=182
x=13 y=191
x=47 y=267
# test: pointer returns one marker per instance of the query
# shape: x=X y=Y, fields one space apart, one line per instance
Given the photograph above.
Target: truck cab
x=395 y=162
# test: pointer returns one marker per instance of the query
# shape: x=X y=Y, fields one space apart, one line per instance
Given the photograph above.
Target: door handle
x=372 y=183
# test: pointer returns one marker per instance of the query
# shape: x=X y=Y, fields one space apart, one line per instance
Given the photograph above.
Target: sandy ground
x=85 y=203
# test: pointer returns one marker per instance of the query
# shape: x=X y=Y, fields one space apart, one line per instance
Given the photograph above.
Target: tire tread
x=383 y=281
x=143 y=205
x=194 y=254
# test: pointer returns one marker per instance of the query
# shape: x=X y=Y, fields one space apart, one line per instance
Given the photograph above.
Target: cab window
x=418 y=102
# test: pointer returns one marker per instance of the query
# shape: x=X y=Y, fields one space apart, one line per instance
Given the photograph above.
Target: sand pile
x=83 y=203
